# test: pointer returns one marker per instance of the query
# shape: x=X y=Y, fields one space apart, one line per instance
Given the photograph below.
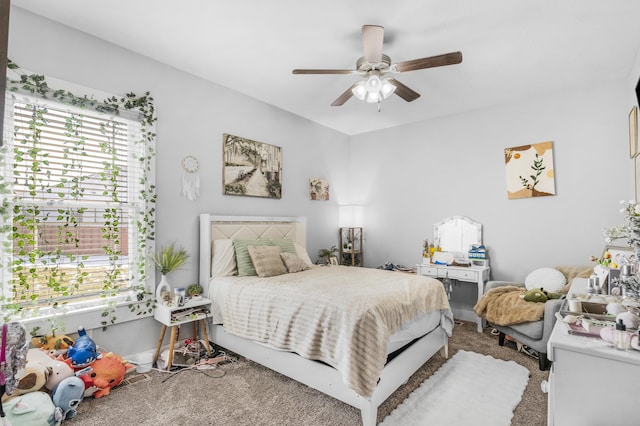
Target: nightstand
x=193 y=311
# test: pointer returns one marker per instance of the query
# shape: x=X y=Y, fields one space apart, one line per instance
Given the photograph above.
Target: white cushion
x=549 y=279
x=301 y=252
x=224 y=258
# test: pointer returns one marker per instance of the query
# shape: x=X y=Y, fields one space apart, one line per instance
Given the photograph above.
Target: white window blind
x=75 y=175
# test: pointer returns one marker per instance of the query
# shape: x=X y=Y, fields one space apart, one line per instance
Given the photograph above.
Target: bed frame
x=317 y=375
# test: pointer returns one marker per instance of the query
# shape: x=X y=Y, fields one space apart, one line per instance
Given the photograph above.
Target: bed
x=364 y=374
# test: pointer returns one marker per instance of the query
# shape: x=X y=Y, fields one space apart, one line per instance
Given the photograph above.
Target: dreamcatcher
x=190 y=179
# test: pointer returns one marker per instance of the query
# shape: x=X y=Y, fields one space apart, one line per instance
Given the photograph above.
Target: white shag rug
x=469 y=389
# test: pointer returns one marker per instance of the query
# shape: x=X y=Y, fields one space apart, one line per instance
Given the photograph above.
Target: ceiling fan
x=375 y=66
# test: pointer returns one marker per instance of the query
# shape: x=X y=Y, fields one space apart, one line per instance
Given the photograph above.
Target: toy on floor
x=83 y=352
x=32 y=409
x=58 y=345
x=67 y=395
x=58 y=369
x=34 y=378
x=106 y=373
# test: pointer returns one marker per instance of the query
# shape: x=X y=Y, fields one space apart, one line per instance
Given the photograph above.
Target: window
x=76 y=192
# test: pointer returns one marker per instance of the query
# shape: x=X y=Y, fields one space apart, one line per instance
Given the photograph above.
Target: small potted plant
x=194 y=291
x=168 y=259
x=326 y=254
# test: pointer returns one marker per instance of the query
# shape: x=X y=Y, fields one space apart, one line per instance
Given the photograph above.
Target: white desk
x=590 y=382
x=473 y=274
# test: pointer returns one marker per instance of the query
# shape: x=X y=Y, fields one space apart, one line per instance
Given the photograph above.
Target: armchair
x=534 y=334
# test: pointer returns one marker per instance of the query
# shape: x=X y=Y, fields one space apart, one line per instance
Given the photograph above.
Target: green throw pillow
x=285 y=244
x=243 y=260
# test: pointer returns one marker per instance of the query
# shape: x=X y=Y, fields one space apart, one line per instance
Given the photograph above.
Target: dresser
x=472 y=274
x=590 y=382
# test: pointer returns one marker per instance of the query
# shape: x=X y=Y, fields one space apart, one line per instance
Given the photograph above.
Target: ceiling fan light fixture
x=360 y=90
x=387 y=89
x=373 y=97
x=374 y=66
x=374 y=84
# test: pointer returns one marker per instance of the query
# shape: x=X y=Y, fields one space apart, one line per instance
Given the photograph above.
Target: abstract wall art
x=529 y=170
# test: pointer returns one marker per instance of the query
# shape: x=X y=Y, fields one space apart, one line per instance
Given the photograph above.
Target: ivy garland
x=12 y=219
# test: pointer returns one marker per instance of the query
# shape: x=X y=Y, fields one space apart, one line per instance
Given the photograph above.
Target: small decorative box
x=478 y=252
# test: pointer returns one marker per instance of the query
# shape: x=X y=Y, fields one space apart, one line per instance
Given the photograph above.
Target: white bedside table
x=193 y=311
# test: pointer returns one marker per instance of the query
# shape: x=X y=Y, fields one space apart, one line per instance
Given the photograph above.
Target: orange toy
x=105 y=373
x=56 y=344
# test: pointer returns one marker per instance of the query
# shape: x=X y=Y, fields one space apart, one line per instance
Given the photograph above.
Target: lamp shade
x=360 y=90
x=374 y=84
x=350 y=216
x=387 y=88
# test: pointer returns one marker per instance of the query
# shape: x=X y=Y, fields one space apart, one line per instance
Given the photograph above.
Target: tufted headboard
x=244 y=227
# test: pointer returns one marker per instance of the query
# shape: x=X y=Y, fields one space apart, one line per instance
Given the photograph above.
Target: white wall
x=411 y=177
x=192 y=116
x=407 y=178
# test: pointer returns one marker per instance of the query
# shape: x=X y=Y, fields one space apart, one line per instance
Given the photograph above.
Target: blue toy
x=67 y=395
x=32 y=409
x=83 y=352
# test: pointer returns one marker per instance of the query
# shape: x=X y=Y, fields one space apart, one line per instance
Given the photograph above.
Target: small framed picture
x=333 y=261
x=619 y=253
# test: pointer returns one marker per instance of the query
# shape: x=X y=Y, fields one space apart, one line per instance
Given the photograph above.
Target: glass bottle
x=621 y=336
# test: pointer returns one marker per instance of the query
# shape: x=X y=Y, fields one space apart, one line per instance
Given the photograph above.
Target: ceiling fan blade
x=372 y=39
x=430 y=62
x=403 y=91
x=299 y=71
x=344 y=97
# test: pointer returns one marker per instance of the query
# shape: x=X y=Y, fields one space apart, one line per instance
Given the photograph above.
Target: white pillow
x=549 y=279
x=224 y=259
x=301 y=252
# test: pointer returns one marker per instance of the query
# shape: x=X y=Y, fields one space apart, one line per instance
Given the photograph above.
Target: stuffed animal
x=83 y=352
x=535 y=295
x=32 y=409
x=34 y=378
x=551 y=294
x=58 y=369
x=67 y=395
x=106 y=373
x=57 y=344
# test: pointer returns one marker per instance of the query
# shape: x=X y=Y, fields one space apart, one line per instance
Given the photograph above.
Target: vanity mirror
x=456 y=234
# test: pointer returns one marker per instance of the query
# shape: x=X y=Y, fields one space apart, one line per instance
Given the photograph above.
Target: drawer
x=428 y=271
x=467 y=275
x=447 y=273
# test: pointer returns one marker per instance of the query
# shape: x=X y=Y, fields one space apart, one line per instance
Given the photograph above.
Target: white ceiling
x=512 y=49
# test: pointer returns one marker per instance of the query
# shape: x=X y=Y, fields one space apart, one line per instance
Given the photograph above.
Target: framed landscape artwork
x=251 y=168
x=529 y=170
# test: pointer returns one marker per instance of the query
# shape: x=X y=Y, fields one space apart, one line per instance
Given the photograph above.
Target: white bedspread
x=340 y=315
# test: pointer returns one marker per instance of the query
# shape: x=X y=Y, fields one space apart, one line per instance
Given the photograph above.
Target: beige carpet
x=249 y=394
